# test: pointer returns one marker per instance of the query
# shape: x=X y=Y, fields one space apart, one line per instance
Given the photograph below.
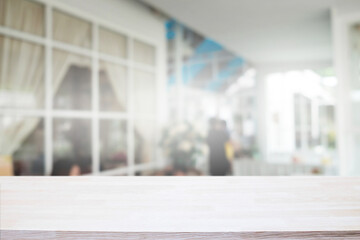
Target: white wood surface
x=88 y=235
x=180 y=204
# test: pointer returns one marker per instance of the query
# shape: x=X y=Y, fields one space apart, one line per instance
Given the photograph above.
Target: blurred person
x=65 y=167
x=37 y=166
x=223 y=127
x=216 y=140
x=235 y=139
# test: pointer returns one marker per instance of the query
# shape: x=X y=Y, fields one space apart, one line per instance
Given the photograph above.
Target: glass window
x=72 y=142
x=22 y=15
x=145 y=141
x=22 y=87
x=71 y=81
x=71 y=30
x=22 y=143
x=112 y=43
x=144 y=92
x=113 y=87
x=21 y=74
x=144 y=53
x=113 y=144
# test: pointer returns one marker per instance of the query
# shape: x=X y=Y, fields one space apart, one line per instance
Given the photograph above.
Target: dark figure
x=217 y=137
x=65 y=168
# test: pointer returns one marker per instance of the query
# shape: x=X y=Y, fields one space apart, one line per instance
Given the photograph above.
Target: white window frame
x=346 y=129
x=48 y=113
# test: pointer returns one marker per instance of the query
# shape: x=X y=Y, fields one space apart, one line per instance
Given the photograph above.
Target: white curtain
x=144 y=96
x=144 y=93
x=71 y=30
x=22 y=67
x=117 y=79
x=112 y=43
x=144 y=53
x=22 y=15
x=21 y=70
x=144 y=140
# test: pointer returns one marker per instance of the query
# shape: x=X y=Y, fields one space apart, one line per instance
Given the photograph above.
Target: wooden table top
x=180 y=204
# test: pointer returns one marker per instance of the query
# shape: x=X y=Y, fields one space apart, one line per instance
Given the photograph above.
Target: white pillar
x=261 y=123
x=342 y=63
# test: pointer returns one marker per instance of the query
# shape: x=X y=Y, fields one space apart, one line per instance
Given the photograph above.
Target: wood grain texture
x=180 y=204
x=58 y=235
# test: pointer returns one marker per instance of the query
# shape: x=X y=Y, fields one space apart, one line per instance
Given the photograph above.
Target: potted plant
x=183 y=144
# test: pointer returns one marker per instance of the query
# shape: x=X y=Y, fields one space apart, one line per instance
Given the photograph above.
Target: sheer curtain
x=115 y=44
x=144 y=94
x=23 y=15
x=144 y=53
x=21 y=70
x=22 y=66
x=144 y=103
x=145 y=141
x=117 y=80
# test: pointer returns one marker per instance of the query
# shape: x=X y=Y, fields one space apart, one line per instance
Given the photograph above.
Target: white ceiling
x=262 y=31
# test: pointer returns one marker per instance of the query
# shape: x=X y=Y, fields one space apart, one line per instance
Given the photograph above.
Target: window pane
x=144 y=141
x=71 y=30
x=113 y=87
x=144 y=93
x=113 y=143
x=112 y=43
x=21 y=74
x=71 y=81
x=26 y=16
x=72 y=142
x=22 y=141
x=144 y=53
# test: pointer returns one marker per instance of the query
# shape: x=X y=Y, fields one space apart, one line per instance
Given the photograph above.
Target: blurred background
x=179 y=88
